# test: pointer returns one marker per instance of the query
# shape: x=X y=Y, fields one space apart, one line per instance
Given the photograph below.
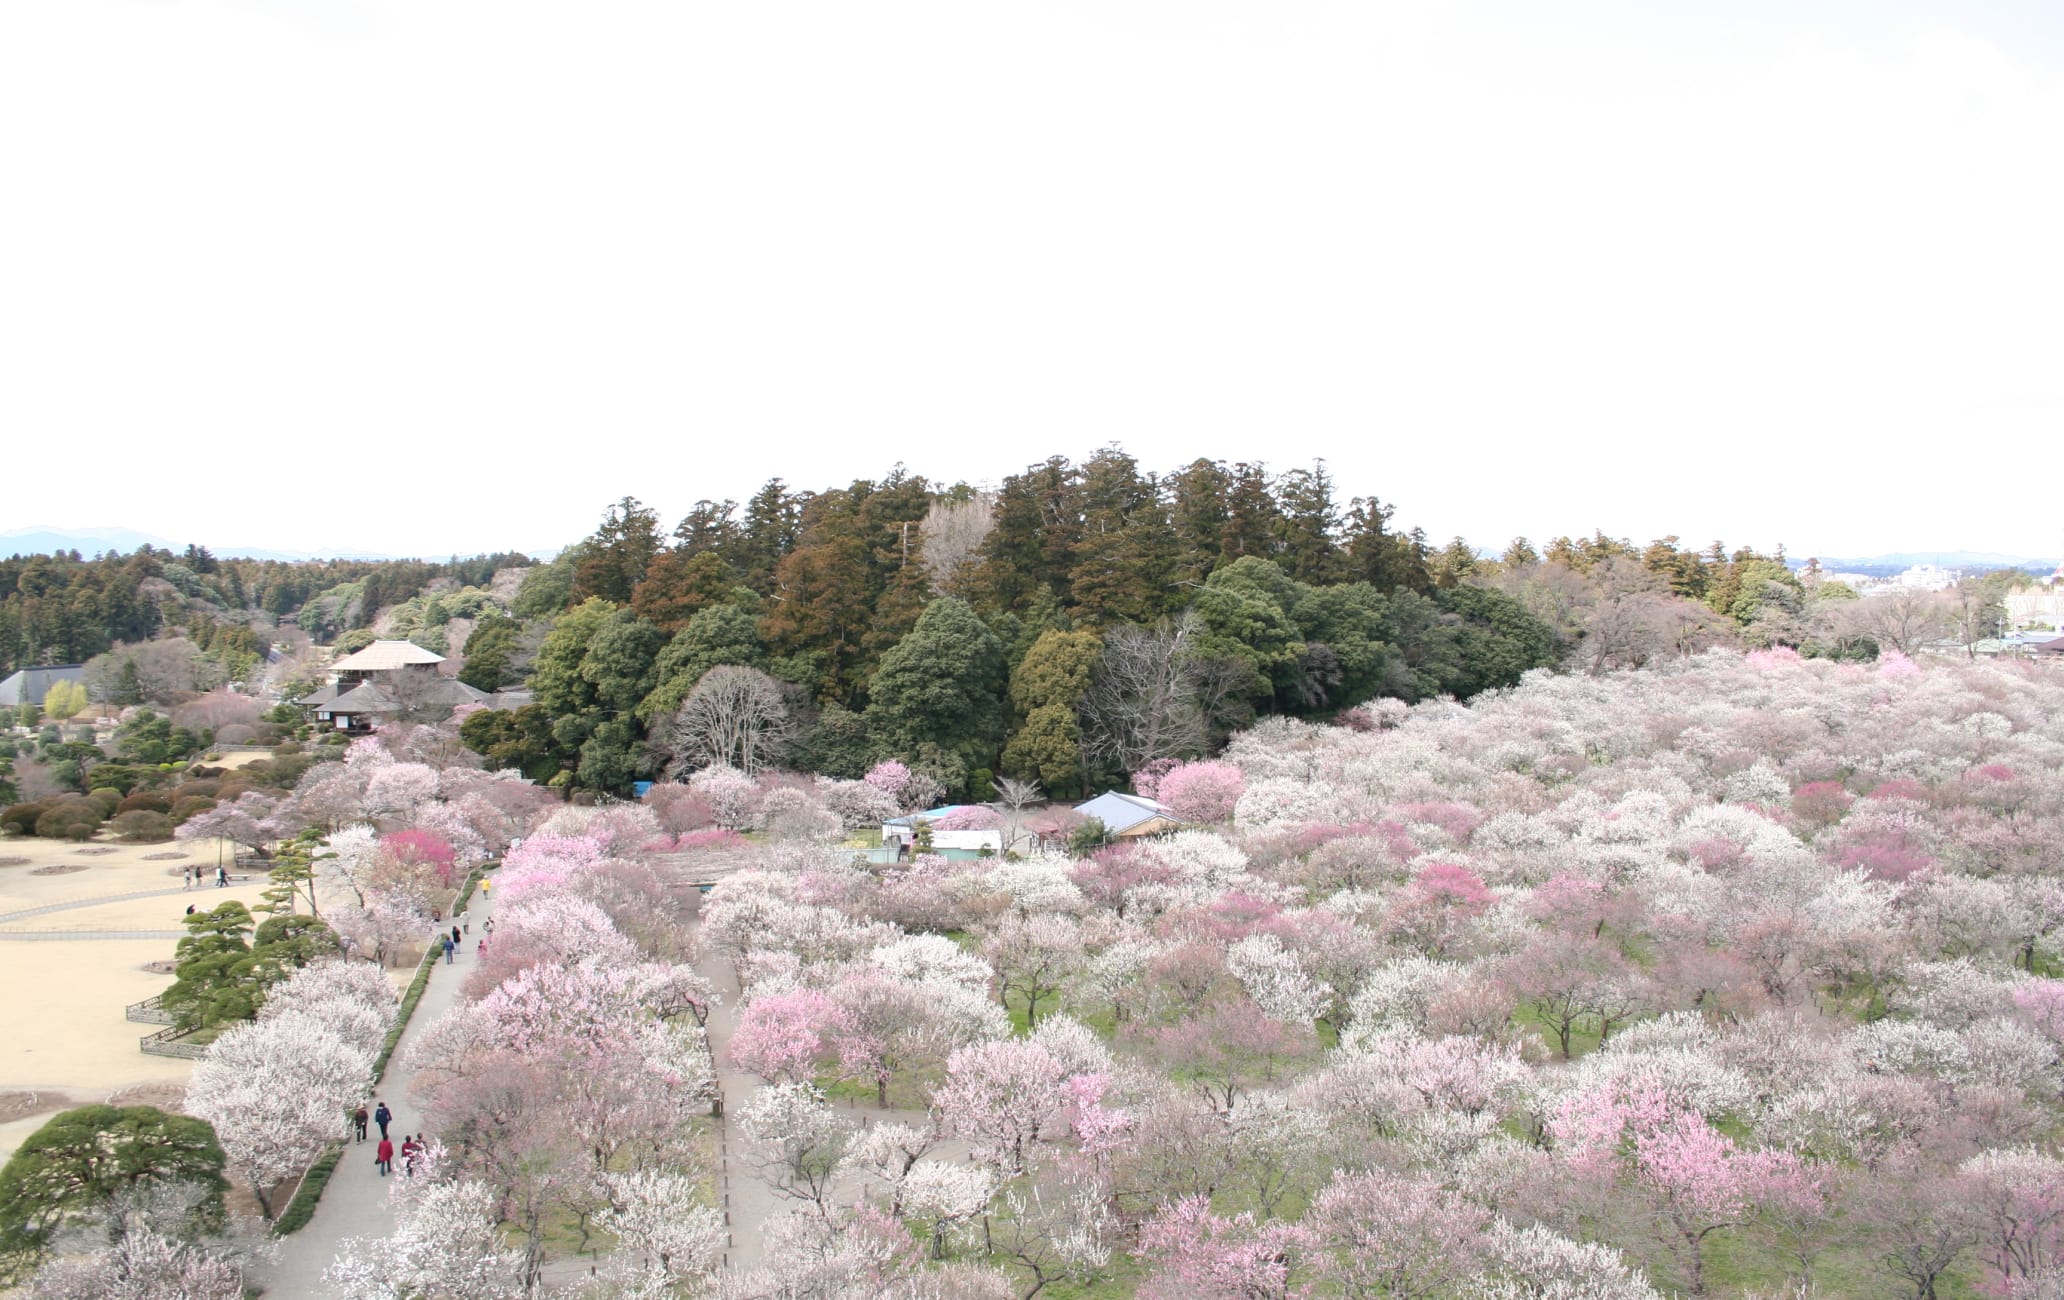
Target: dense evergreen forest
x=1071 y=625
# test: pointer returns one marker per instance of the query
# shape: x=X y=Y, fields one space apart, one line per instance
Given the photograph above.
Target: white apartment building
x=2040 y=606
x=1925 y=577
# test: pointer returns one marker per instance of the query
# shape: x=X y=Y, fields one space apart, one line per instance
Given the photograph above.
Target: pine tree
x=708 y=526
x=1306 y=529
x=1009 y=571
x=680 y=583
x=1197 y=510
x=1385 y=560
x=1124 y=562
x=773 y=522
x=292 y=876
x=1252 y=515
x=612 y=561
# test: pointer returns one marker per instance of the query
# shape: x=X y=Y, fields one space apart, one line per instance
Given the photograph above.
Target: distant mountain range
x=41 y=539
x=1900 y=561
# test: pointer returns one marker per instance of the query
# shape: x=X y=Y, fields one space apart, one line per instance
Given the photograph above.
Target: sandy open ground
x=66 y=1036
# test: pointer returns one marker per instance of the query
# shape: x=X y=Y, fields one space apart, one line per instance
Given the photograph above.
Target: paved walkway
x=26 y=913
x=47 y=935
x=355 y=1202
x=743 y=1195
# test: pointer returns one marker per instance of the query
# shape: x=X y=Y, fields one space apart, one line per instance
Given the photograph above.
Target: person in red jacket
x=383 y=1156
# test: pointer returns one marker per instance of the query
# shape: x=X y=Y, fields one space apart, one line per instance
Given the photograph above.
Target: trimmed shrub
x=75 y=818
x=188 y=805
x=142 y=826
x=21 y=818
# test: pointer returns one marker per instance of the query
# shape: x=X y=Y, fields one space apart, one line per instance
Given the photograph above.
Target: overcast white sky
x=430 y=276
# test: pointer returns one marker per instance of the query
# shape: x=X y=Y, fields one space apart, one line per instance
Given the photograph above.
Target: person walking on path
x=408 y=1156
x=186 y=877
x=358 y=1123
x=221 y=877
x=448 y=947
x=481 y=951
x=383 y=1117
x=455 y=934
x=383 y=1155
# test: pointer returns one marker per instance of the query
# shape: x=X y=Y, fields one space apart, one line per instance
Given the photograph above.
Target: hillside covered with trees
x=1077 y=623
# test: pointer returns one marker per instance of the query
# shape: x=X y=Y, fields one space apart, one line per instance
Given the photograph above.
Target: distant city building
x=2041 y=605
x=1926 y=577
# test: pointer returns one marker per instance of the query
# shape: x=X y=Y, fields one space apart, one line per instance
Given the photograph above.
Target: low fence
x=166 y=1043
x=150 y=1011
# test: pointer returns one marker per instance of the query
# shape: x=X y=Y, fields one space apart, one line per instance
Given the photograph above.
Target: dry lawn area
x=66 y=1039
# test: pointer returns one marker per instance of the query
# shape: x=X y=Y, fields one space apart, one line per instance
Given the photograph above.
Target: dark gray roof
x=30 y=685
x=363 y=699
x=452 y=691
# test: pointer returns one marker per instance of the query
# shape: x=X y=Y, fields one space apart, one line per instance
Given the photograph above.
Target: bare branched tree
x=734 y=715
x=1015 y=796
x=1904 y=619
x=1154 y=694
x=1014 y=799
x=953 y=532
x=1631 y=617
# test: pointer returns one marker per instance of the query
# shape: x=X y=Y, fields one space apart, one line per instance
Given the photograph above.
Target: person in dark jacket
x=383 y=1117
x=358 y=1123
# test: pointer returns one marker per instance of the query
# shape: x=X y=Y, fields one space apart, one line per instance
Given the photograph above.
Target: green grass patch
x=1583 y=1038
x=302 y=1208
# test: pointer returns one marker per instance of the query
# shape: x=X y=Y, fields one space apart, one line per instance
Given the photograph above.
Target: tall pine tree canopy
x=1303 y=603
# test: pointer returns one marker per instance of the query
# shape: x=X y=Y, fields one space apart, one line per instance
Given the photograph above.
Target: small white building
x=900 y=833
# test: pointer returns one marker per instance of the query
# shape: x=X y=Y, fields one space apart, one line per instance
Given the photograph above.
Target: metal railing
x=150 y=1011
x=166 y=1043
